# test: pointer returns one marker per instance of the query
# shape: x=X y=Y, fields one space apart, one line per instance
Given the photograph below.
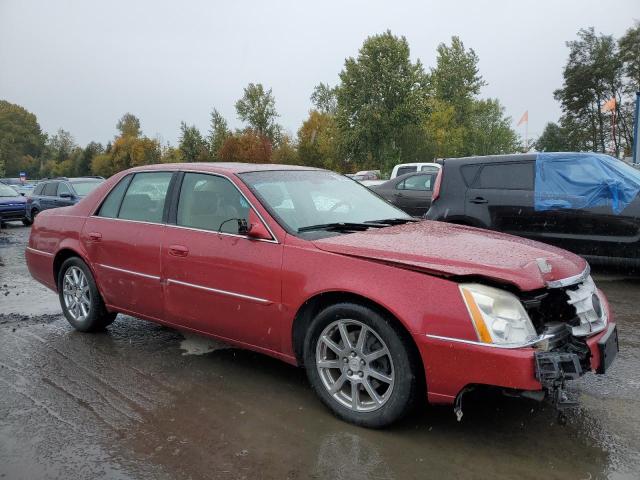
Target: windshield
x=85 y=187
x=6 y=191
x=303 y=198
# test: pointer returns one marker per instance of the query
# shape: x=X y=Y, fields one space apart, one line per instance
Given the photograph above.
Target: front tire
x=26 y=222
x=80 y=299
x=360 y=365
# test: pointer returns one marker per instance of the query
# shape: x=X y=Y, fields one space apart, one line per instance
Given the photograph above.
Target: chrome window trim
x=130 y=272
x=566 y=282
x=530 y=343
x=127 y=220
x=39 y=252
x=222 y=292
x=213 y=232
x=264 y=222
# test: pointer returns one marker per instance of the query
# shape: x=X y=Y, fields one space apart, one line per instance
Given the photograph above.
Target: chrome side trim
x=565 y=282
x=213 y=232
x=492 y=345
x=130 y=272
x=221 y=292
x=39 y=252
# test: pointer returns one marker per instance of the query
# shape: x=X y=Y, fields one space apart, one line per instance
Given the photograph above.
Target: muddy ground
x=143 y=401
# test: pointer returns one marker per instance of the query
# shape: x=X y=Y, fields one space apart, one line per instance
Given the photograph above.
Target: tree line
x=385 y=109
x=600 y=81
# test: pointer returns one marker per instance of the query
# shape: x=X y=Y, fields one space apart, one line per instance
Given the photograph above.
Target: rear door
x=64 y=195
x=49 y=196
x=413 y=194
x=500 y=197
x=218 y=280
x=124 y=241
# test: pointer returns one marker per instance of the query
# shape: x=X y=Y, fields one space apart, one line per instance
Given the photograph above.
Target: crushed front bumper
x=451 y=366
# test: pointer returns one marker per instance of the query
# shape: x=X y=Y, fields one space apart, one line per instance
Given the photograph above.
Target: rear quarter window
x=111 y=204
x=506 y=176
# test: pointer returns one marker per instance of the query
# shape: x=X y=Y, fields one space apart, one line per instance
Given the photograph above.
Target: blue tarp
x=584 y=180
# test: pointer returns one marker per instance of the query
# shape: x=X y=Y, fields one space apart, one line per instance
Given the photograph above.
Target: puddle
x=194 y=344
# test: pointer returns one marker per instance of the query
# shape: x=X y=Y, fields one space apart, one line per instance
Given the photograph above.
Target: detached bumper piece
x=609 y=348
x=553 y=369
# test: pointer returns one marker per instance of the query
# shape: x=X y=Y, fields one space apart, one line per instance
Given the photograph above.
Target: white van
x=403 y=168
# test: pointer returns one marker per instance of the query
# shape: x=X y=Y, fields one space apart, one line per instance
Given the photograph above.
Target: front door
x=217 y=280
x=413 y=194
x=124 y=241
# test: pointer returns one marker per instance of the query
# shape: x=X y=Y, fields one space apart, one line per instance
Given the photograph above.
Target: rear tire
x=80 y=299
x=369 y=381
x=26 y=222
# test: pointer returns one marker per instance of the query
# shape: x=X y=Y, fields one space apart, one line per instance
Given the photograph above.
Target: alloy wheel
x=355 y=365
x=77 y=296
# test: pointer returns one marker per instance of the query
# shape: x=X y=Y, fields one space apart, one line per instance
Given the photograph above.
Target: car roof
x=514 y=157
x=223 y=167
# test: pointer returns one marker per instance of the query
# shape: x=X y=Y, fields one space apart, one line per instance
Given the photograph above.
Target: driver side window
x=210 y=202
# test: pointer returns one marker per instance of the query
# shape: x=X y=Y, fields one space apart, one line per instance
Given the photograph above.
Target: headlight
x=497 y=315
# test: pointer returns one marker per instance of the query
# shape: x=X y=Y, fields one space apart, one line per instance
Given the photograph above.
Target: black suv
x=499 y=193
x=59 y=192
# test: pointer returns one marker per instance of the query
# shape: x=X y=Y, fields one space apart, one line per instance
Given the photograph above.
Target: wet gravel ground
x=143 y=401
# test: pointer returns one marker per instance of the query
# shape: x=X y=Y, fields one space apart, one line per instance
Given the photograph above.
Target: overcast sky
x=80 y=65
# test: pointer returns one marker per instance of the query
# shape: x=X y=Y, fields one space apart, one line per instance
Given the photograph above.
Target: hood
x=454 y=250
x=17 y=200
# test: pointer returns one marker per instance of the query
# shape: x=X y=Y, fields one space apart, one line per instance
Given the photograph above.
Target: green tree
x=82 y=161
x=553 y=139
x=489 y=131
x=21 y=139
x=285 y=153
x=446 y=135
x=324 y=98
x=257 y=108
x=129 y=125
x=218 y=133
x=381 y=92
x=456 y=78
x=194 y=148
x=592 y=75
x=629 y=46
x=317 y=141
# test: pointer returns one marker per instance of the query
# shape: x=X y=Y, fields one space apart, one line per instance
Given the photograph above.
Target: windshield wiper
x=393 y=221
x=342 y=226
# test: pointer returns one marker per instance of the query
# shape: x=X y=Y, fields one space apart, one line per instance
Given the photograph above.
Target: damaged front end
x=567 y=315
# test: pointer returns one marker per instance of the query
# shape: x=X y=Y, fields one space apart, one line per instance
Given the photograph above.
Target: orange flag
x=609 y=105
x=524 y=118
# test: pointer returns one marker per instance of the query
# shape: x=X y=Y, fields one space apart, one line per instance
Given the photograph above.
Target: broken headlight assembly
x=498 y=316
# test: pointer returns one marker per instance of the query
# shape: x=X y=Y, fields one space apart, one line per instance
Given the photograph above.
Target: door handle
x=178 y=250
x=95 y=236
x=479 y=200
x=399 y=195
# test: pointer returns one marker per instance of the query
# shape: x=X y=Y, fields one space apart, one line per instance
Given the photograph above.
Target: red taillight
x=436 y=187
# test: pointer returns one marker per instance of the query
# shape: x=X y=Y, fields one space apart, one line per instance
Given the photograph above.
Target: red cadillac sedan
x=311 y=267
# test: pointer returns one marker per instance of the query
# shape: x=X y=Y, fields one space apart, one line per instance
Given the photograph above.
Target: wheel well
x=307 y=312
x=59 y=259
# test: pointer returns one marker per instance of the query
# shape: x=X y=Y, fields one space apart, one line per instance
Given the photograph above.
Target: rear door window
x=145 y=197
x=506 y=176
x=418 y=182
x=50 y=189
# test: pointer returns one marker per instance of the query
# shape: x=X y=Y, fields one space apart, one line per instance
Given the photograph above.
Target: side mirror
x=256 y=229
